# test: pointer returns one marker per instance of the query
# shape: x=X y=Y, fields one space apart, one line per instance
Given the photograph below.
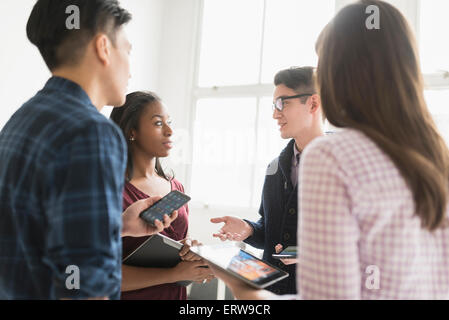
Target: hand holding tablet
x=240 y=264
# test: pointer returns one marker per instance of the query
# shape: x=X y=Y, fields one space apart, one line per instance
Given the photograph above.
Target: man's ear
x=315 y=101
x=102 y=46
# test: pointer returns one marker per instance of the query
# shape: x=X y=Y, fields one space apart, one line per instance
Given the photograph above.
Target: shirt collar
x=295 y=153
x=69 y=87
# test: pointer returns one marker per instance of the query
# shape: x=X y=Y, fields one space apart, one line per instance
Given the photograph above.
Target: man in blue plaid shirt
x=62 y=163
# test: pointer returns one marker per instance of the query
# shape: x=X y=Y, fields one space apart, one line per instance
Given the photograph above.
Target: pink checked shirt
x=358 y=235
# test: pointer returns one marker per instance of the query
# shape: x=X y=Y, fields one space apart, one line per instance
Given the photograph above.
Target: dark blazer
x=278 y=217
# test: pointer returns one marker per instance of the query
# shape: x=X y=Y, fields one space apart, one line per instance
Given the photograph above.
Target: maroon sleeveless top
x=176 y=231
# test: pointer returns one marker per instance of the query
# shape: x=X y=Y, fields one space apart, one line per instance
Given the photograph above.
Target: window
x=230 y=53
x=438 y=103
x=434 y=52
x=226 y=149
x=291 y=30
x=434 y=42
x=243 y=44
x=237 y=149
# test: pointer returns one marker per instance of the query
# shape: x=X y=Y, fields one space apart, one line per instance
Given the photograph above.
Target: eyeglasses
x=279 y=103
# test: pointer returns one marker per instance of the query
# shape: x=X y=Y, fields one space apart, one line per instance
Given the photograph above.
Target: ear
x=133 y=134
x=102 y=46
x=315 y=102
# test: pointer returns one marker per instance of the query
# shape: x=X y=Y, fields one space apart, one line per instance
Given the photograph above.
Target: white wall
x=144 y=32
x=175 y=80
x=23 y=71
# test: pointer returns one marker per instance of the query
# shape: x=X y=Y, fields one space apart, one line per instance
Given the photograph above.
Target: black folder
x=158 y=251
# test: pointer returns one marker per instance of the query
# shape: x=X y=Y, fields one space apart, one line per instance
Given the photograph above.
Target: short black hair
x=58 y=45
x=300 y=79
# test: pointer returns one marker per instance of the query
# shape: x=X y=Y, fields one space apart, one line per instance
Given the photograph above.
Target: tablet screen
x=240 y=262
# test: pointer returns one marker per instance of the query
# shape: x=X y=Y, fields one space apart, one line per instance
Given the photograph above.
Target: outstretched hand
x=234 y=229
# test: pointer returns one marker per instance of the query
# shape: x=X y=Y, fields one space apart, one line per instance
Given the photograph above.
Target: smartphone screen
x=171 y=202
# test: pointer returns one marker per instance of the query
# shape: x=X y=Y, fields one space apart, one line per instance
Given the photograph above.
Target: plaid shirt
x=359 y=237
x=62 y=165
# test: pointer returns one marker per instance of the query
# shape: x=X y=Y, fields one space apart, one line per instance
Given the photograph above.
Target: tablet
x=158 y=251
x=241 y=264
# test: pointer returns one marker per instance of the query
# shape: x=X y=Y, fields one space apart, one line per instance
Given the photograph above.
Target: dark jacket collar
x=285 y=160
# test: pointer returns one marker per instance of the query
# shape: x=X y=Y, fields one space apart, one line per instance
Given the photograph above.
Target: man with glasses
x=297 y=110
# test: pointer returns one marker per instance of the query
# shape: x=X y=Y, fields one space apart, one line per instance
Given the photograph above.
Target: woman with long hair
x=373 y=197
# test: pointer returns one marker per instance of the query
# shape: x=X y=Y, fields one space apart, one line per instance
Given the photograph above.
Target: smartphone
x=171 y=202
x=287 y=253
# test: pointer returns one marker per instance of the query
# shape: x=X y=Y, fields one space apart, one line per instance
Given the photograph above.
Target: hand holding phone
x=290 y=253
x=171 y=202
x=134 y=226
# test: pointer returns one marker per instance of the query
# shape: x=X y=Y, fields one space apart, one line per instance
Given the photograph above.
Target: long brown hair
x=370 y=80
